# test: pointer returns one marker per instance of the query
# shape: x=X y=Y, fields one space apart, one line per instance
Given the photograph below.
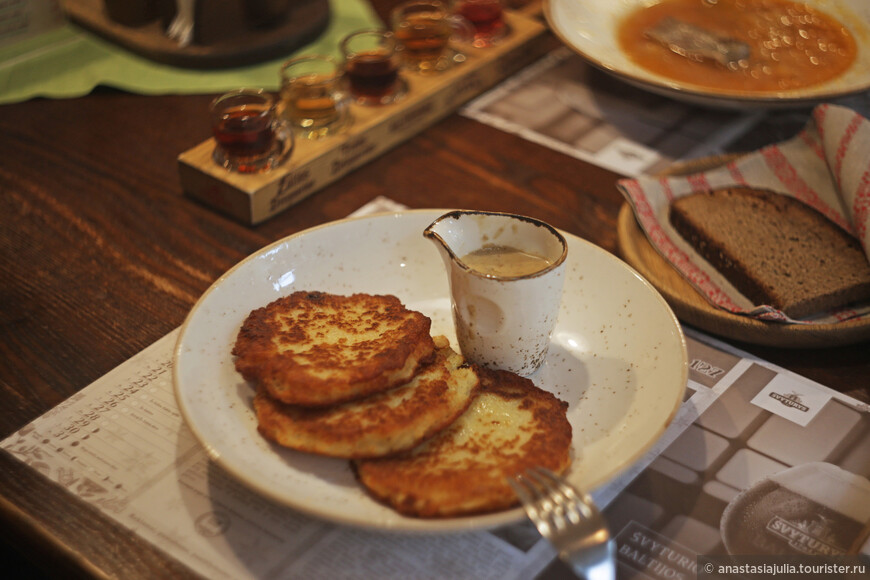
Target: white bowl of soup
x=801 y=52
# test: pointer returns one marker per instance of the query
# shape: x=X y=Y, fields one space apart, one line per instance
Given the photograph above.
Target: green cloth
x=70 y=61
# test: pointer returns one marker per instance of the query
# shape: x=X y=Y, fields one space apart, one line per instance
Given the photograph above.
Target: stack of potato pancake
x=360 y=377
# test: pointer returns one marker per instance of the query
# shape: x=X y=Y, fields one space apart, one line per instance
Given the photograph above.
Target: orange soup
x=792 y=45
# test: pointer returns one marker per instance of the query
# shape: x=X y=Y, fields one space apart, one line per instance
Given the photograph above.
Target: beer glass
x=814 y=509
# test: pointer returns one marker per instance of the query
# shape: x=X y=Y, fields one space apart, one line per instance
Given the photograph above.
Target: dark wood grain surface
x=101 y=254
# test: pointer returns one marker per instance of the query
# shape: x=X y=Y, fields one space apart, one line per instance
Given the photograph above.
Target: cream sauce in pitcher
x=504 y=261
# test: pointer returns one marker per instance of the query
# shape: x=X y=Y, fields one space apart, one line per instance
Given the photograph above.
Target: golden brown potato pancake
x=378 y=425
x=511 y=425
x=313 y=348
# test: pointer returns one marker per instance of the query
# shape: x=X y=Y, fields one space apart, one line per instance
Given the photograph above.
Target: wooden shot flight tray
x=314 y=164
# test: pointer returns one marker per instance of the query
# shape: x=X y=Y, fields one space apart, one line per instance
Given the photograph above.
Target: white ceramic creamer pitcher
x=503 y=320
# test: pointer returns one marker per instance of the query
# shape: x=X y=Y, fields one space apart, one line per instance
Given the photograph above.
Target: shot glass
x=487 y=18
x=249 y=137
x=312 y=99
x=423 y=29
x=371 y=67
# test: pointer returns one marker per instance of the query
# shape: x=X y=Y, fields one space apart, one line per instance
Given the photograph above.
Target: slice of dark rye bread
x=774 y=249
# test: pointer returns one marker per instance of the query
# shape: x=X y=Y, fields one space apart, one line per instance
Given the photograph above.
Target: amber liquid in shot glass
x=424 y=39
x=245 y=132
x=311 y=103
x=487 y=18
x=248 y=136
x=423 y=29
x=372 y=74
x=312 y=97
x=372 y=67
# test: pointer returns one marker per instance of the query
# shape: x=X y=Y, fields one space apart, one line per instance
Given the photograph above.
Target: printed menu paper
x=565 y=104
x=772 y=464
x=598 y=119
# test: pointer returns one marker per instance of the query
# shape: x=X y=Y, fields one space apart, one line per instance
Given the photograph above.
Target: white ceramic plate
x=589 y=28
x=618 y=357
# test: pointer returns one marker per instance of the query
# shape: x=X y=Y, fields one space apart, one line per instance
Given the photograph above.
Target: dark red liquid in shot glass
x=245 y=131
x=486 y=17
x=372 y=74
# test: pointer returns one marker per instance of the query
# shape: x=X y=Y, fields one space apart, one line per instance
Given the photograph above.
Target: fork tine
x=552 y=502
x=575 y=504
x=544 y=501
x=530 y=497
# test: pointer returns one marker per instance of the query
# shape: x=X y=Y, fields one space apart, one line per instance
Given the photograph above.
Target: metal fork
x=569 y=520
x=181 y=27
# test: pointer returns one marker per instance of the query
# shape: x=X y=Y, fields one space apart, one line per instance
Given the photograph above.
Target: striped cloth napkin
x=827 y=166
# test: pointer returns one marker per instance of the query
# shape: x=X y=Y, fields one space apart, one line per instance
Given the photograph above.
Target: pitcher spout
x=446 y=234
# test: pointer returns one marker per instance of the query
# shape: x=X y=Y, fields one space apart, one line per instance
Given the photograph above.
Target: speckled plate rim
x=618 y=357
x=611 y=60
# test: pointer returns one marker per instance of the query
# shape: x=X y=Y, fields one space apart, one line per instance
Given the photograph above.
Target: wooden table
x=101 y=254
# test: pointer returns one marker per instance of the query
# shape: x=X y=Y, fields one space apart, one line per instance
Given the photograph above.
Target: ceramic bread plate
x=590 y=29
x=618 y=358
